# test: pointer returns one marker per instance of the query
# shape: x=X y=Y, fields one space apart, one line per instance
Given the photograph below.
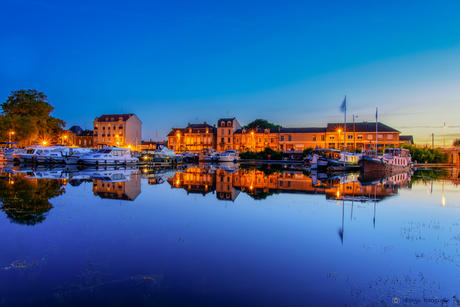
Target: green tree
x=27 y=113
x=262 y=124
x=456 y=143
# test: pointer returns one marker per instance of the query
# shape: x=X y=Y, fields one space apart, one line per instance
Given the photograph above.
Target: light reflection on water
x=205 y=235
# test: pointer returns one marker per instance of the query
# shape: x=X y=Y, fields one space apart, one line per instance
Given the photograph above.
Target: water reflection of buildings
x=127 y=187
x=197 y=179
x=259 y=185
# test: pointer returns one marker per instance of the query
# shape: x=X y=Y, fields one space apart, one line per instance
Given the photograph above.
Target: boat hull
x=379 y=165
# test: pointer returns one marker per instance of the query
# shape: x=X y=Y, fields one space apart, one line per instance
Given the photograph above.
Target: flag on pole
x=343 y=107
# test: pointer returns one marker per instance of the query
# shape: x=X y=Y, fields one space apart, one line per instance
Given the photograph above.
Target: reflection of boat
x=160 y=154
x=229 y=167
x=208 y=154
x=112 y=174
x=374 y=178
x=160 y=176
x=230 y=155
x=393 y=160
x=109 y=155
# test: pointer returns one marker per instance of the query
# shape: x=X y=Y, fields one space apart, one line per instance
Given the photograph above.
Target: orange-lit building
x=230 y=135
x=193 y=138
x=117 y=130
x=226 y=128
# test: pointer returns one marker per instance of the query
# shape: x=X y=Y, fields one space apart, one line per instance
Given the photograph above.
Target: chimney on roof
x=205 y=123
x=214 y=125
x=189 y=123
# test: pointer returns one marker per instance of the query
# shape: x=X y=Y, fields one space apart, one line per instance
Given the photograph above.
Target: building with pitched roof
x=193 y=138
x=124 y=130
x=85 y=139
x=226 y=127
x=230 y=135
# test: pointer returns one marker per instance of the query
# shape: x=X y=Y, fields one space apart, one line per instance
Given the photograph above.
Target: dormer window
x=229 y=124
x=106 y=119
x=112 y=119
x=222 y=124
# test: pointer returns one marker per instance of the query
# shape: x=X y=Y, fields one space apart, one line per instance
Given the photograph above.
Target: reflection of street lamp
x=118 y=140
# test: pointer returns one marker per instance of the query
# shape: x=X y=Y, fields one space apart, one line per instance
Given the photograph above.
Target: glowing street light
x=10 y=134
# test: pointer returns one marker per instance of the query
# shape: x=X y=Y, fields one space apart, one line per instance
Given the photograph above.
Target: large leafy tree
x=262 y=124
x=28 y=114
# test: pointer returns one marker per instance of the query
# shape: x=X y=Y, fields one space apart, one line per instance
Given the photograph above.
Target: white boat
x=8 y=153
x=71 y=155
x=230 y=155
x=160 y=154
x=109 y=155
x=31 y=153
x=208 y=154
x=48 y=155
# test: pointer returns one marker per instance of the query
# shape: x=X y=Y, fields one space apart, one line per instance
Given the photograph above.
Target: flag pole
x=345 y=133
x=376 y=128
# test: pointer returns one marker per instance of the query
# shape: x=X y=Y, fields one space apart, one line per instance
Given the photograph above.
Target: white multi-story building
x=121 y=130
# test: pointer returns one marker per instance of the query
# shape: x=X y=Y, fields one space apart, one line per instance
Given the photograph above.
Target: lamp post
x=178 y=141
x=354 y=134
x=10 y=134
x=338 y=141
x=444 y=135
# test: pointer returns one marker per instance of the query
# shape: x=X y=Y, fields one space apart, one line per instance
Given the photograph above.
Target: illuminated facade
x=193 y=138
x=230 y=135
x=258 y=185
x=121 y=130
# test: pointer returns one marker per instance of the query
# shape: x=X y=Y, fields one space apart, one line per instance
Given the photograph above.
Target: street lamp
x=445 y=135
x=338 y=142
x=354 y=134
x=10 y=134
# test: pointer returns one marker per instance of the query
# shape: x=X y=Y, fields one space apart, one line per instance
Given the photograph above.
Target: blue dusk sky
x=290 y=62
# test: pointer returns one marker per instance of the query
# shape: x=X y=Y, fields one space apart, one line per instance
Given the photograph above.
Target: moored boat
x=230 y=155
x=393 y=160
x=208 y=154
x=109 y=156
x=327 y=158
x=32 y=153
x=161 y=153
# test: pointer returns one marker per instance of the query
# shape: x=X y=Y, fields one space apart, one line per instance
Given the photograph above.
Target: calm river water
x=207 y=235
